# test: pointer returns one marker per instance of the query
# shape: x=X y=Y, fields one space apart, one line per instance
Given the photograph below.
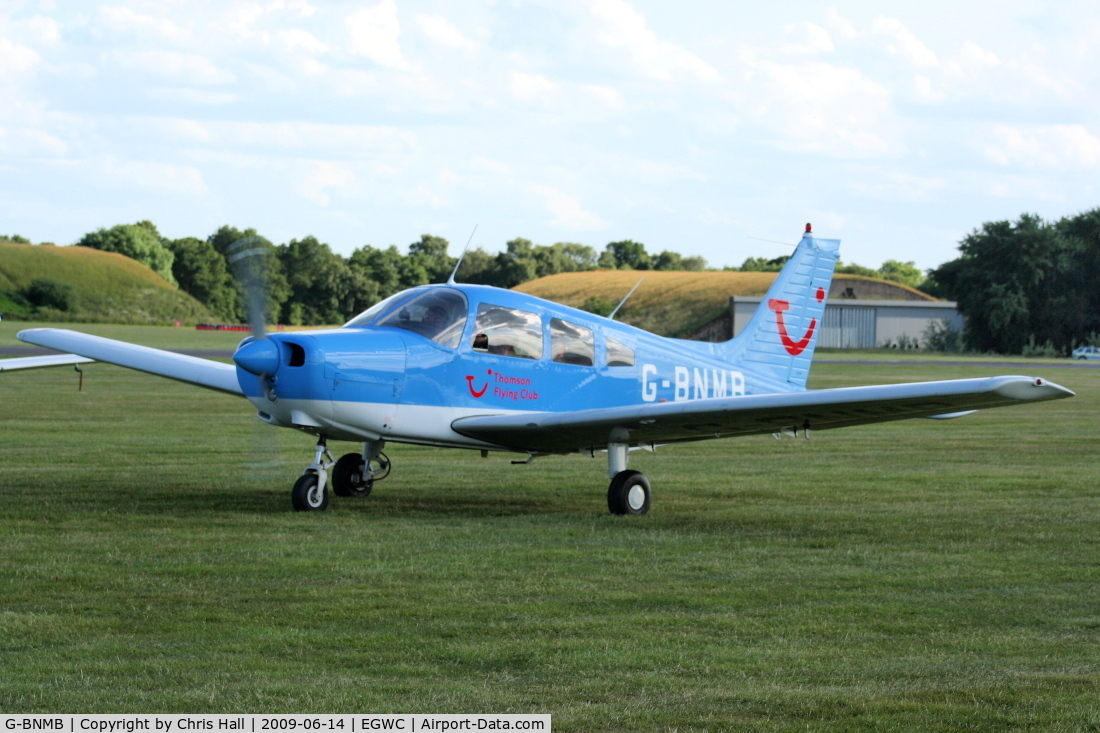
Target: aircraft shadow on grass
x=480 y=368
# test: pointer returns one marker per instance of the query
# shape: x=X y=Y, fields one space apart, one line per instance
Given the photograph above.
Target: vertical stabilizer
x=780 y=337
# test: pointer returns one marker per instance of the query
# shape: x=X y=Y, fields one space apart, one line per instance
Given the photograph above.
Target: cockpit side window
x=618 y=354
x=507 y=332
x=571 y=344
x=438 y=314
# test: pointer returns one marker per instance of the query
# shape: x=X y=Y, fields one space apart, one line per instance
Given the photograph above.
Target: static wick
x=80 y=379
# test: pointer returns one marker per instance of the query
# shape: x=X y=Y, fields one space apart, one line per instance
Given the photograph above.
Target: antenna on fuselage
x=451 y=279
x=620 y=305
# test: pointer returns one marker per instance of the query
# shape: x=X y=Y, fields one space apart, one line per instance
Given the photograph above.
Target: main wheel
x=628 y=493
x=307 y=495
x=347 y=476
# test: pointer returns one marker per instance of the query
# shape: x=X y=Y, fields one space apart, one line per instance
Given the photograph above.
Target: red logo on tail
x=794 y=348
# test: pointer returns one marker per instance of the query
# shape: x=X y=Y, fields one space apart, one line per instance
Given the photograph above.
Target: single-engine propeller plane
x=477 y=367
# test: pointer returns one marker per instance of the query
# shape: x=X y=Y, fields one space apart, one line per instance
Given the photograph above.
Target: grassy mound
x=673 y=304
x=106 y=287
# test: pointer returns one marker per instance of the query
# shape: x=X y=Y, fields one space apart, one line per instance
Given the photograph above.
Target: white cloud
x=15 y=58
x=607 y=97
x=532 y=87
x=164 y=178
x=625 y=29
x=295 y=39
x=840 y=25
x=188 y=67
x=567 y=210
x=193 y=96
x=41 y=29
x=26 y=141
x=816 y=40
x=1056 y=147
x=118 y=18
x=903 y=43
x=444 y=33
x=820 y=107
x=325 y=175
x=374 y=33
x=925 y=91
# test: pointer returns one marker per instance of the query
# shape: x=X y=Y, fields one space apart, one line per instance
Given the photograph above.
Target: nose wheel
x=310 y=492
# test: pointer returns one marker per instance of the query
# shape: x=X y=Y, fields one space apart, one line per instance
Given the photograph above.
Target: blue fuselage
x=371 y=381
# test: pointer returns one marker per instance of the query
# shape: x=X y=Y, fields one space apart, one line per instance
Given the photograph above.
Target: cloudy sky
x=701 y=127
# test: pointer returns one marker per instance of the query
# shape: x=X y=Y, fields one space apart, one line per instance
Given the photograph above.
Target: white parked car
x=1087 y=352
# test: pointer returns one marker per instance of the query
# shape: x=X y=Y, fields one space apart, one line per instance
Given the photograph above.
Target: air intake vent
x=296 y=355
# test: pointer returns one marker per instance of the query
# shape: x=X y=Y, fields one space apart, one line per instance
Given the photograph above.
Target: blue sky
x=700 y=127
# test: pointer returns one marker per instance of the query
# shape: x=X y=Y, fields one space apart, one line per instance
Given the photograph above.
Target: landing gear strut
x=355 y=473
x=629 y=490
x=310 y=492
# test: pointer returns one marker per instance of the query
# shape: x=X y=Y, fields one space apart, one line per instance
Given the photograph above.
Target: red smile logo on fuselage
x=794 y=348
x=477 y=393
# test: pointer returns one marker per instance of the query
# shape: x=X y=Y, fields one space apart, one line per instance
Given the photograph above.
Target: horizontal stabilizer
x=190 y=369
x=39 y=362
x=819 y=409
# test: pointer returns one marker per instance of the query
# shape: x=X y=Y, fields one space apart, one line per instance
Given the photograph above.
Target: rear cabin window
x=571 y=344
x=507 y=332
x=619 y=355
x=438 y=314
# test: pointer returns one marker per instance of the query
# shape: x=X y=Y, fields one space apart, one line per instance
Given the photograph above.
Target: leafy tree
x=430 y=254
x=386 y=268
x=270 y=274
x=140 y=242
x=1014 y=284
x=323 y=289
x=14 y=238
x=516 y=264
x=906 y=273
x=202 y=272
x=760 y=264
x=478 y=268
x=629 y=255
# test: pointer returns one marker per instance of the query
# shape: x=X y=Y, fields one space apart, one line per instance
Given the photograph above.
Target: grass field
x=911 y=576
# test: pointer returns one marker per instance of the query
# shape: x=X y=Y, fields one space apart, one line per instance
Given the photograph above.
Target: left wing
x=37 y=362
x=820 y=409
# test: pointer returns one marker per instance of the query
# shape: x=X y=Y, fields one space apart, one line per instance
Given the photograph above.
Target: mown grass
x=109 y=287
x=922 y=575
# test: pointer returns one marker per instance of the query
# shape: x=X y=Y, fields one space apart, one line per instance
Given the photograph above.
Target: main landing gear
x=353 y=475
x=629 y=490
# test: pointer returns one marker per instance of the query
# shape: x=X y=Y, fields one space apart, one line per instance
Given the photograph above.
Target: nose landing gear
x=353 y=475
x=310 y=492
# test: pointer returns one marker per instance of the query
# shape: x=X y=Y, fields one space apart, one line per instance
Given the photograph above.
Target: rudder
x=780 y=337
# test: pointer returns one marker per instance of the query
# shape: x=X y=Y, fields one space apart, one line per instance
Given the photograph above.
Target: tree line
x=306 y=283
x=1027 y=287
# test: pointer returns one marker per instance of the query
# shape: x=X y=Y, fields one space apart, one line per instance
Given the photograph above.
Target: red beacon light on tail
x=809 y=229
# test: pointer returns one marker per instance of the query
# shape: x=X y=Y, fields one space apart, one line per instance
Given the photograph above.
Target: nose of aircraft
x=258 y=357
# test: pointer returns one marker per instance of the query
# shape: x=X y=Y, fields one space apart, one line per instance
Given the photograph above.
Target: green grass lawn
x=912 y=576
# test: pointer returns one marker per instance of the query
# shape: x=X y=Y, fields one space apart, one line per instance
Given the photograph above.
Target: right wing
x=191 y=369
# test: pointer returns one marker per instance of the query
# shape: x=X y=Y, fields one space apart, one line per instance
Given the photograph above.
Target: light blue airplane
x=469 y=366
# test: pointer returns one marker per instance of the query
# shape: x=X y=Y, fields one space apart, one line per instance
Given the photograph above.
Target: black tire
x=628 y=493
x=347 y=477
x=306 y=496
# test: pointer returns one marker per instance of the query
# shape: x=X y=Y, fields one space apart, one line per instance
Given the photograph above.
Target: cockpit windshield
x=437 y=313
x=366 y=317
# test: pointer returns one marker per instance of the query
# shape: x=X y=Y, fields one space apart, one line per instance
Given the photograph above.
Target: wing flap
x=191 y=369
x=824 y=409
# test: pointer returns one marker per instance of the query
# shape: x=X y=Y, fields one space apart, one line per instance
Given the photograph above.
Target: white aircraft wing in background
x=821 y=409
x=38 y=362
x=191 y=369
